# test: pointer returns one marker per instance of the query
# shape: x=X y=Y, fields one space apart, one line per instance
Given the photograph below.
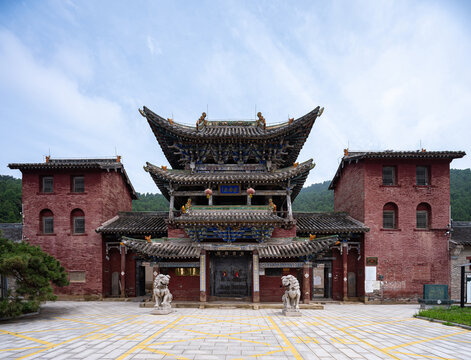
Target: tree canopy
x=10 y=199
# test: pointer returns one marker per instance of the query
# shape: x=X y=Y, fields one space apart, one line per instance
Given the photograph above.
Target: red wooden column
x=307 y=267
x=345 y=269
x=122 y=250
x=203 y=259
x=256 y=278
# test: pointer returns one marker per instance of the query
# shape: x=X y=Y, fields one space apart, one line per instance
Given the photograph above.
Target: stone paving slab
x=101 y=330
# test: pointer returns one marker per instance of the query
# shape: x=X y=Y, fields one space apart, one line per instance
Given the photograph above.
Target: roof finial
x=142 y=113
x=345 y=152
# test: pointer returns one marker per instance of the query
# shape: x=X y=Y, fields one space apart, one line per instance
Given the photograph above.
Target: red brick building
x=404 y=198
x=64 y=201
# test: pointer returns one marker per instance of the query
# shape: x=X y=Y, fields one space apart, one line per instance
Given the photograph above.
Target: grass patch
x=455 y=314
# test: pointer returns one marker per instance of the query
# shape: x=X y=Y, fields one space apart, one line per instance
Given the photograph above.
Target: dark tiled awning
x=297 y=248
x=136 y=223
x=164 y=249
x=327 y=223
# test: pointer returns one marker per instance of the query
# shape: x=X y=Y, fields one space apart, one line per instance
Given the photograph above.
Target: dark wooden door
x=231 y=277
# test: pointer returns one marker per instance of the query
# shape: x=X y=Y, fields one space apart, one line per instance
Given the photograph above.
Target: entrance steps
x=232 y=305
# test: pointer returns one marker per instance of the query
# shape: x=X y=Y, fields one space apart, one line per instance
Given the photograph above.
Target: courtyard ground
x=122 y=330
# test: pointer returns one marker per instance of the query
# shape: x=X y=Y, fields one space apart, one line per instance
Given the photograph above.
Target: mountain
x=316 y=197
x=460 y=194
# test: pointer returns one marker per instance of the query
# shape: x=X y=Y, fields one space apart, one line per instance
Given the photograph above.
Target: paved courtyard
x=116 y=330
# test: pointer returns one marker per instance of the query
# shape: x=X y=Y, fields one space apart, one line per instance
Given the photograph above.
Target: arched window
x=77 y=221
x=46 y=221
x=390 y=216
x=424 y=212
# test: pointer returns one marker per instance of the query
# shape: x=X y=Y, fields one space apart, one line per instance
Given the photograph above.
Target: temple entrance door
x=352 y=285
x=115 y=289
x=231 y=277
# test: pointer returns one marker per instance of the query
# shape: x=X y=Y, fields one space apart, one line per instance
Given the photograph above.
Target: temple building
x=230 y=232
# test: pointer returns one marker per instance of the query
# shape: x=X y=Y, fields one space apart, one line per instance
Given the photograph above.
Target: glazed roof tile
x=167 y=133
x=327 y=223
x=355 y=156
x=461 y=232
x=109 y=164
x=136 y=223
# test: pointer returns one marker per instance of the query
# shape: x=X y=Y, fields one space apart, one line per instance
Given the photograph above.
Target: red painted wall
x=407 y=257
x=271 y=289
x=105 y=194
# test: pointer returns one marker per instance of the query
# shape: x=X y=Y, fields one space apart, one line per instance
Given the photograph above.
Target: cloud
x=152 y=46
x=58 y=115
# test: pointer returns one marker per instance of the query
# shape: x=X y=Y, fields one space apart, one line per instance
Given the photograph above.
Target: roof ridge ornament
x=202 y=120
x=261 y=120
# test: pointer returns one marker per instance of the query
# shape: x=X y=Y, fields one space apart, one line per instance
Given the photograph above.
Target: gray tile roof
x=163 y=249
x=327 y=223
x=172 y=248
x=154 y=223
x=461 y=232
x=108 y=164
x=12 y=231
x=297 y=175
x=136 y=223
x=297 y=248
x=167 y=134
x=355 y=156
x=221 y=217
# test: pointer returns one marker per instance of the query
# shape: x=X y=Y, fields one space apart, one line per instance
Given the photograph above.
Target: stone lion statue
x=163 y=297
x=292 y=293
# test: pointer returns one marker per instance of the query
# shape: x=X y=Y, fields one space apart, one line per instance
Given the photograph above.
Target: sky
x=392 y=75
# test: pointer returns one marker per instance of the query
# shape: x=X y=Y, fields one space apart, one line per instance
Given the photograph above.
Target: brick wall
x=81 y=252
x=407 y=257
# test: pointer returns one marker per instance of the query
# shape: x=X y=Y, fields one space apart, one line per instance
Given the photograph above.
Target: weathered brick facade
x=105 y=193
x=408 y=257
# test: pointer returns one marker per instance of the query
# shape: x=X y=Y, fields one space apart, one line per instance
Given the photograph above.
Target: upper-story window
x=422 y=175
x=46 y=221
x=78 y=184
x=389 y=175
x=423 y=213
x=78 y=221
x=390 y=216
x=47 y=184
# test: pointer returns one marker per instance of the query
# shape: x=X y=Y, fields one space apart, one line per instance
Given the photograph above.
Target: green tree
x=34 y=271
x=150 y=202
x=10 y=199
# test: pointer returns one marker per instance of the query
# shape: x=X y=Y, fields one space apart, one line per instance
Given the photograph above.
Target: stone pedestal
x=292 y=313
x=162 y=311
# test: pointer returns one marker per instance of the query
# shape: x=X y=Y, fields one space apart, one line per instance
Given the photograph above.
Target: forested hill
x=316 y=197
x=10 y=199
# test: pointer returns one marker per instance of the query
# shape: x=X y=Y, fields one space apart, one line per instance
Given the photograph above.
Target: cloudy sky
x=390 y=74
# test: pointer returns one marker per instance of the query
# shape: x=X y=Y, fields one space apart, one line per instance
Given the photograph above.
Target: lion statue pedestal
x=163 y=297
x=291 y=296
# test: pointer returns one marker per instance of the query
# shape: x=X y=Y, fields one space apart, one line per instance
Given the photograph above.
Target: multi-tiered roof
x=255 y=160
